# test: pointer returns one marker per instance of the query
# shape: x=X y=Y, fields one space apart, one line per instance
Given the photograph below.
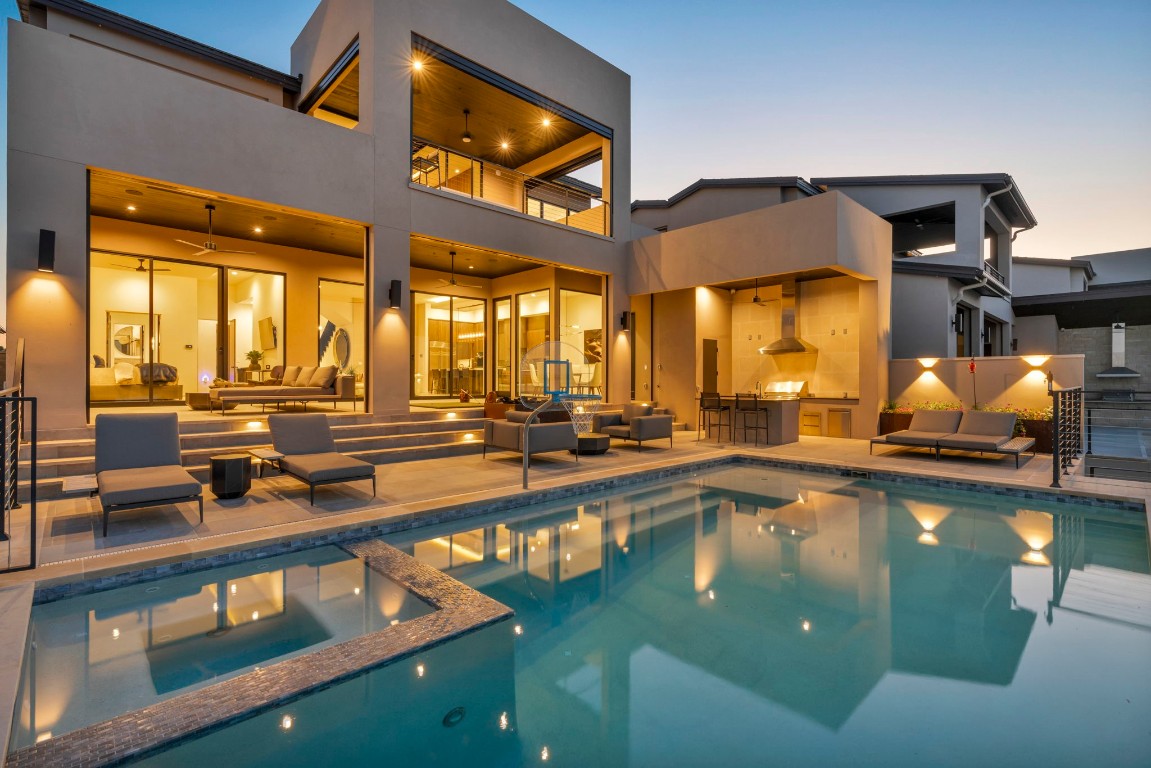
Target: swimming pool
x=749 y=616
x=93 y=657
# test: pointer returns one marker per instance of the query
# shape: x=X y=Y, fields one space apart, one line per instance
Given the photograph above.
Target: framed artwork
x=126 y=336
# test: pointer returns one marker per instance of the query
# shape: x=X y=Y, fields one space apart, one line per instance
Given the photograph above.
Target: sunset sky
x=1058 y=94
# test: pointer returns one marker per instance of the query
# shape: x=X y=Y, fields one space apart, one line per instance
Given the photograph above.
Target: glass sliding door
x=533 y=311
x=503 y=347
x=255 y=309
x=153 y=329
x=449 y=338
x=581 y=327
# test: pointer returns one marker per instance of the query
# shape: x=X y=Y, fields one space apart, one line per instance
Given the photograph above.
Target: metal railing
x=1066 y=428
x=995 y=273
x=443 y=169
x=17 y=553
x=1117 y=432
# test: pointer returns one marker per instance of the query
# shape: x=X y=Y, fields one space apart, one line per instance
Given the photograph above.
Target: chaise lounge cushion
x=134 y=486
x=318 y=467
x=927 y=428
x=981 y=431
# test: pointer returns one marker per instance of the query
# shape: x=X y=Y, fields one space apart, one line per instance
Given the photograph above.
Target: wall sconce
x=625 y=321
x=1036 y=360
x=928 y=362
x=395 y=294
x=47 y=259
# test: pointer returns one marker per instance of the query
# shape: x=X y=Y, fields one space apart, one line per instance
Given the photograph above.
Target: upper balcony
x=484 y=137
x=564 y=201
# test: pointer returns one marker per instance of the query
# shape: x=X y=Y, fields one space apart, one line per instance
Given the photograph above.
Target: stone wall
x=1095 y=346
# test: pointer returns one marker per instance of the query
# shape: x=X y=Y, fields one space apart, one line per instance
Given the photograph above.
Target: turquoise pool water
x=94 y=657
x=749 y=616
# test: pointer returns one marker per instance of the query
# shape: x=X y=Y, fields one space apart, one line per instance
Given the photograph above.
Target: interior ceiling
x=763 y=282
x=923 y=228
x=344 y=98
x=441 y=93
x=167 y=205
x=429 y=253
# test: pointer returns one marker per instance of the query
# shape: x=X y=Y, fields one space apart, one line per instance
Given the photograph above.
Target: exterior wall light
x=47 y=258
x=625 y=321
x=1036 y=360
x=928 y=362
x=395 y=294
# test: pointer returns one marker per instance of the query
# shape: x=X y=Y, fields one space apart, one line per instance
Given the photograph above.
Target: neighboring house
x=1098 y=306
x=952 y=236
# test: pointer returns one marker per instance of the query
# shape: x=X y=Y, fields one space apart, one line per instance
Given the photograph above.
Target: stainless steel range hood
x=788 y=342
x=1118 y=369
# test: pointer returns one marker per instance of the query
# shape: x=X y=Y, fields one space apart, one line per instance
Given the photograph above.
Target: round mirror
x=342 y=348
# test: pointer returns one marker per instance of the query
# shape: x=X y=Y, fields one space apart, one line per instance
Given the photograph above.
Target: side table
x=266 y=456
x=231 y=475
x=591 y=444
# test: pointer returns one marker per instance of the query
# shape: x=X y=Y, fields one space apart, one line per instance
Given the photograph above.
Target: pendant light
x=467 y=137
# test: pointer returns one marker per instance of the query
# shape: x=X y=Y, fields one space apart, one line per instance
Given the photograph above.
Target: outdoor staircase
x=70 y=454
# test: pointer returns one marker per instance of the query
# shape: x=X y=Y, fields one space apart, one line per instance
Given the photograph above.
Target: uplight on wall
x=928 y=362
x=1036 y=360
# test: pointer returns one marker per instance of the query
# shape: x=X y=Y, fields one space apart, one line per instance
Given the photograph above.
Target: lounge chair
x=310 y=453
x=508 y=433
x=138 y=463
x=635 y=422
x=925 y=430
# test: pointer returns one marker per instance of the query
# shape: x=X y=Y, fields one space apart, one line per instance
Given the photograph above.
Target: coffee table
x=591 y=444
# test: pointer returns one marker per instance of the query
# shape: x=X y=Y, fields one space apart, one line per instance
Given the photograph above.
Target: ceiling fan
x=756 y=299
x=140 y=267
x=453 y=281
x=210 y=245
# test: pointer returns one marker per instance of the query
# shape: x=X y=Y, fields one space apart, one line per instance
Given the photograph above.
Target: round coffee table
x=591 y=444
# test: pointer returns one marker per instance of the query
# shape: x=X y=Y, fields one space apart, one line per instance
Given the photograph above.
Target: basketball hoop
x=582 y=409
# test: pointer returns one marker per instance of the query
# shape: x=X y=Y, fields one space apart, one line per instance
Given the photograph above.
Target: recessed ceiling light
x=503 y=145
x=257 y=230
x=131 y=208
x=470 y=267
x=417 y=64
x=547 y=122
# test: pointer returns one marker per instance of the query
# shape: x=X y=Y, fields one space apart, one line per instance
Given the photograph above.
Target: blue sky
x=1058 y=94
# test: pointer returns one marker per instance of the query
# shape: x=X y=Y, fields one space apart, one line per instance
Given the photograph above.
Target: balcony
x=568 y=202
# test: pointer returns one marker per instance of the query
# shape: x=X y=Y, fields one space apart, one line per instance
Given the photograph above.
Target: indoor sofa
x=299 y=385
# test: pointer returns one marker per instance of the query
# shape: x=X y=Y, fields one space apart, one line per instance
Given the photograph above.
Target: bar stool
x=747 y=408
x=711 y=405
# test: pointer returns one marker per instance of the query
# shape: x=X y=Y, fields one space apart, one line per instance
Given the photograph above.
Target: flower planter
x=1040 y=430
x=893 y=422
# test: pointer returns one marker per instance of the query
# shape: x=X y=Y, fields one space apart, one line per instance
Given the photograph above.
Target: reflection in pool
x=93 y=657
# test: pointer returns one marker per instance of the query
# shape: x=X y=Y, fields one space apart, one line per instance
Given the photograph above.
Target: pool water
x=748 y=616
x=94 y=657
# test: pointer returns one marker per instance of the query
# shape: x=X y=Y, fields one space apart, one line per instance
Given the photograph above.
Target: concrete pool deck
x=276 y=509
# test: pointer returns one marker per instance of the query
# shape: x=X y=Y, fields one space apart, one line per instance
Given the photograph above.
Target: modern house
x=1098 y=306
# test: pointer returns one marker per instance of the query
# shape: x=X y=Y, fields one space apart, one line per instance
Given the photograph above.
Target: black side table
x=231 y=475
x=591 y=444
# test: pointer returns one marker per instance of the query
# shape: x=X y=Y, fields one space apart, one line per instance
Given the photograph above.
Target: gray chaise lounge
x=635 y=422
x=983 y=431
x=138 y=463
x=310 y=453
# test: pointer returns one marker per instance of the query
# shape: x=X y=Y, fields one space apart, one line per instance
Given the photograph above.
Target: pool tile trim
x=459 y=610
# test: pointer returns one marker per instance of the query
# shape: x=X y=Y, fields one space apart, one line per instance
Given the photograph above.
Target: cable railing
x=17 y=520
x=1117 y=433
x=446 y=170
x=1066 y=428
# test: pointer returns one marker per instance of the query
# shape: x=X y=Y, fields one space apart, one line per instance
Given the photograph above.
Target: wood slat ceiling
x=182 y=208
x=441 y=93
x=344 y=97
x=430 y=253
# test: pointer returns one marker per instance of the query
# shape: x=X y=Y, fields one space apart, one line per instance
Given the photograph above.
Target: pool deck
x=276 y=510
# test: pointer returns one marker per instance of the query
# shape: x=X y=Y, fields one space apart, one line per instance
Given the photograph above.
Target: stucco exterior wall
x=1037 y=335
x=708 y=204
x=916 y=298
x=1044 y=279
x=998 y=381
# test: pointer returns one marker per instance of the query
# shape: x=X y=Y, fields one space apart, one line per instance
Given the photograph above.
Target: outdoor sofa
x=983 y=431
x=299 y=385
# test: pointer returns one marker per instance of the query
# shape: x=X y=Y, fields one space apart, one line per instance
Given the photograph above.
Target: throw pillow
x=291 y=373
x=633 y=410
x=125 y=373
x=305 y=376
x=323 y=377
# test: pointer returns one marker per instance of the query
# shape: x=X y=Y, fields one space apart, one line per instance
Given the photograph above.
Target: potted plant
x=254 y=357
